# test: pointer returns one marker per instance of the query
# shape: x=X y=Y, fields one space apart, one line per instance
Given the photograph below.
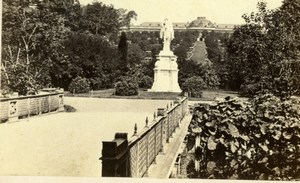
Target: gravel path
x=69 y=144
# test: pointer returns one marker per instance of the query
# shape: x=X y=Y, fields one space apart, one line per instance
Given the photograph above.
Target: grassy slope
x=199 y=54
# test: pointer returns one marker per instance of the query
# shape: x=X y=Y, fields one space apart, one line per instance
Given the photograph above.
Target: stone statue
x=167 y=34
x=166 y=68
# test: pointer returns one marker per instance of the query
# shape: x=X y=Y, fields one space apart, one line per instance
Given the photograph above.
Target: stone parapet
x=145 y=145
x=15 y=107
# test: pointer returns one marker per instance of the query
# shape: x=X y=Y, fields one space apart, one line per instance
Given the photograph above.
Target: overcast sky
x=219 y=11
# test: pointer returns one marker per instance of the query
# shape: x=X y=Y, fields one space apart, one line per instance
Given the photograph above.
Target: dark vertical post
x=115 y=157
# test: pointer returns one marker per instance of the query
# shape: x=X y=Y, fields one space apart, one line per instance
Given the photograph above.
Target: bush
x=126 y=86
x=20 y=81
x=69 y=108
x=145 y=82
x=194 y=86
x=249 y=90
x=79 y=85
x=249 y=140
x=96 y=83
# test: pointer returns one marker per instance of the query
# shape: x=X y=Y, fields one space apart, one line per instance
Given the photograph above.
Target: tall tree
x=101 y=19
x=31 y=38
x=126 y=17
x=265 y=51
x=123 y=51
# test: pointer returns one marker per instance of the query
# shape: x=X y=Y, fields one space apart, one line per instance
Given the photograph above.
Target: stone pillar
x=13 y=108
x=61 y=100
x=115 y=157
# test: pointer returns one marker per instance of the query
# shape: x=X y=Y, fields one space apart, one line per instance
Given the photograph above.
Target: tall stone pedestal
x=166 y=73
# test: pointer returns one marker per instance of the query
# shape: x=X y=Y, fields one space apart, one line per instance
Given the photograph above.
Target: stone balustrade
x=143 y=147
x=15 y=107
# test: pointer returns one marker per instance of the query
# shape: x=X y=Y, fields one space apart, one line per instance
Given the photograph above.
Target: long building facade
x=200 y=24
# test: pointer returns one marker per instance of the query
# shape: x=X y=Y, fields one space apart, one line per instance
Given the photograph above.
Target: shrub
x=19 y=81
x=194 y=86
x=79 y=85
x=249 y=90
x=126 y=86
x=145 y=82
x=96 y=83
x=69 y=108
x=249 y=140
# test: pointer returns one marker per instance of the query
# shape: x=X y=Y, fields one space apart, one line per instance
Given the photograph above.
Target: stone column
x=13 y=108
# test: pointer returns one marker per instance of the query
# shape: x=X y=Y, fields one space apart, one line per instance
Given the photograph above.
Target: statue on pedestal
x=166 y=68
x=167 y=34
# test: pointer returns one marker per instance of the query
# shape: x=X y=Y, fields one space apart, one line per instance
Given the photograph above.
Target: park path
x=70 y=144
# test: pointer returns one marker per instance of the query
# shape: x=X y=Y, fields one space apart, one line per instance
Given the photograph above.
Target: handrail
x=145 y=145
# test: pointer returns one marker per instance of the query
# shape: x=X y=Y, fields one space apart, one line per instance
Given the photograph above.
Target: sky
x=218 y=11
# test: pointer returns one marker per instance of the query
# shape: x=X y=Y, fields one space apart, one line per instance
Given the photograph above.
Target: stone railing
x=15 y=107
x=132 y=158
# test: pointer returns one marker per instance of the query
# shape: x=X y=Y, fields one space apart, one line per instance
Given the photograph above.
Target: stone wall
x=15 y=107
x=143 y=147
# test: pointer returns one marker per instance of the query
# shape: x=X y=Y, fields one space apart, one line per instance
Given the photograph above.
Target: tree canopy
x=265 y=50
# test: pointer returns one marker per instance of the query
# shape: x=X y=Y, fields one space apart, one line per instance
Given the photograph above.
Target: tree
x=31 y=40
x=88 y=56
x=101 y=19
x=123 y=51
x=125 y=18
x=135 y=55
x=266 y=50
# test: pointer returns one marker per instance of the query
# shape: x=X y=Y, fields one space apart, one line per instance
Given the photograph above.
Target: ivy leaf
x=262 y=177
x=233 y=130
x=276 y=171
x=263 y=128
x=210 y=167
x=196 y=130
x=205 y=116
x=211 y=144
x=277 y=135
x=233 y=147
x=226 y=120
x=233 y=162
x=287 y=135
x=266 y=114
x=209 y=124
x=264 y=160
x=250 y=152
x=244 y=137
x=244 y=146
x=264 y=147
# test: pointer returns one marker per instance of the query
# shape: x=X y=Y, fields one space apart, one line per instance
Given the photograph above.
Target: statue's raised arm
x=167 y=34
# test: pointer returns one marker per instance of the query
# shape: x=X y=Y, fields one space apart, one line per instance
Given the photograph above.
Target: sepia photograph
x=149 y=91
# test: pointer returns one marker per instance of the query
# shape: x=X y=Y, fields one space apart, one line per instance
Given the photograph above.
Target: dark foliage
x=79 y=85
x=248 y=140
x=126 y=86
